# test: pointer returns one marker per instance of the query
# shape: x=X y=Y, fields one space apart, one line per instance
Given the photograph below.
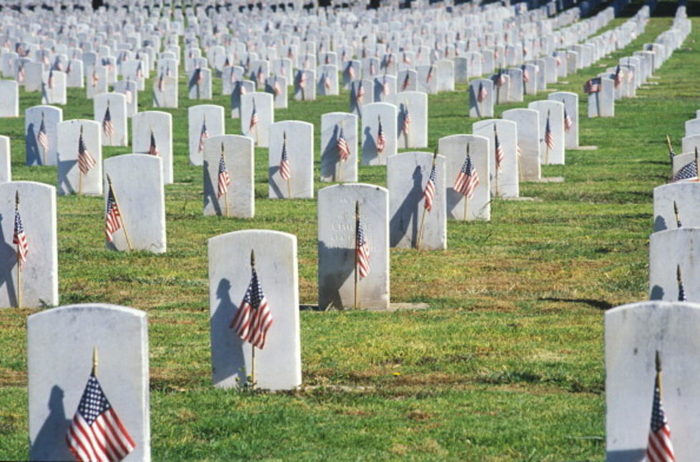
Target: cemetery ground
x=506 y=363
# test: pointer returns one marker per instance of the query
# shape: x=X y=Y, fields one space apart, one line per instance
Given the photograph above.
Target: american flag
x=568 y=121
x=254 y=119
x=361 y=249
x=380 y=142
x=161 y=82
x=107 y=125
x=95 y=78
x=129 y=95
x=285 y=171
x=97 y=432
x=385 y=87
x=482 y=94
x=198 y=76
x=372 y=68
x=617 y=77
x=406 y=59
x=343 y=146
x=253 y=318
x=688 y=171
x=429 y=191
x=526 y=75
x=223 y=178
x=679 y=280
x=500 y=155
x=326 y=81
x=591 y=86
x=69 y=67
x=260 y=76
x=429 y=77
x=659 y=447
x=467 y=179
x=85 y=159
x=19 y=239
x=139 y=70
x=203 y=136
x=152 y=146
x=500 y=79
x=21 y=74
x=360 y=93
x=406 y=81
x=301 y=80
x=406 y=121
x=113 y=217
x=42 y=138
x=548 y=135
x=276 y=89
x=49 y=81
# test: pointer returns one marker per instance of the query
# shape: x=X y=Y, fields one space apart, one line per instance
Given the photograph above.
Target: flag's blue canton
x=254 y=294
x=658 y=417
x=94 y=402
x=688 y=171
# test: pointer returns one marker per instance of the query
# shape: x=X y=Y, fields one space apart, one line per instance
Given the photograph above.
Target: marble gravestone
x=60 y=345
x=294 y=140
x=407 y=177
x=38 y=285
x=237 y=199
x=165 y=91
x=205 y=120
x=455 y=148
x=384 y=88
x=75 y=77
x=552 y=114
x=334 y=126
x=669 y=250
x=41 y=147
x=53 y=88
x=602 y=103
x=481 y=98
x=34 y=73
x=570 y=102
x=690 y=143
x=413 y=119
x=516 y=87
x=337 y=246
x=528 y=149
x=529 y=79
x=199 y=84
x=379 y=133
x=676 y=206
x=96 y=81
x=9 y=98
x=407 y=80
x=351 y=71
x=137 y=181
x=428 y=79
x=241 y=88
x=229 y=77
x=327 y=80
x=360 y=94
x=129 y=89
x=277 y=87
x=692 y=127
x=5 y=158
x=505 y=181
x=257 y=115
x=278 y=364
x=634 y=333
x=110 y=112
x=152 y=134
x=72 y=179
x=305 y=85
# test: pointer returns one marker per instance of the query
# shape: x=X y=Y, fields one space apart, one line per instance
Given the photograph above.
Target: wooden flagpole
x=19 y=263
x=658 y=370
x=497 y=175
x=45 y=150
x=95 y=361
x=425 y=211
x=121 y=215
x=357 y=220
x=80 y=172
x=252 y=359
x=342 y=161
x=110 y=121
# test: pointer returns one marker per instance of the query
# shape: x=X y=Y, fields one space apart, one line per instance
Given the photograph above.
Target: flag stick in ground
x=466 y=198
x=597 y=99
x=19 y=262
x=357 y=220
x=289 y=180
x=44 y=150
x=252 y=359
x=342 y=160
x=671 y=154
x=80 y=172
x=121 y=215
x=95 y=361
x=425 y=209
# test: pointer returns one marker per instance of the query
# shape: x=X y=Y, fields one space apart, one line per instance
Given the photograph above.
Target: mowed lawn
x=506 y=363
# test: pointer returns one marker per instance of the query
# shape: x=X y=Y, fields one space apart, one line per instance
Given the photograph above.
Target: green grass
x=506 y=364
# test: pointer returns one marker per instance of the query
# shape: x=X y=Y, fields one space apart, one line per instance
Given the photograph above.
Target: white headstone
x=481 y=98
x=528 y=125
x=683 y=197
x=552 y=114
x=412 y=108
x=337 y=246
x=257 y=115
x=378 y=145
x=137 y=181
x=412 y=223
x=205 y=121
x=5 y=159
x=294 y=140
x=110 y=113
x=570 y=101
x=278 y=363
x=72 y=179
x=35 y=151
x=60 y=345
x=237 y=199
x=39 y=278
x=334 y=126
x=504 y=180
x=152 y=134
x=9 y=98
